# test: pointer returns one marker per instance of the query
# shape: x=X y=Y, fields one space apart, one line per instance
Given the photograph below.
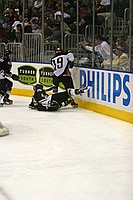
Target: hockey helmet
x=7 y=52
x=58 y=50
x=37 y=86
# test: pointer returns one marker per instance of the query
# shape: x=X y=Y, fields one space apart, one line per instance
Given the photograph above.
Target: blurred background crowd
x=28 y=24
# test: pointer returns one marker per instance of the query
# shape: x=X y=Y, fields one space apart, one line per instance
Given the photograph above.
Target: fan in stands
x=3 y=130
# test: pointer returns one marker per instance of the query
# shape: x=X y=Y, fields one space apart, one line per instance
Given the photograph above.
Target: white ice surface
x=71 y=154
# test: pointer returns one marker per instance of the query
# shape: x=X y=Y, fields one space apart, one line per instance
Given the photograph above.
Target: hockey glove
x=71 y=64
x=15 y=77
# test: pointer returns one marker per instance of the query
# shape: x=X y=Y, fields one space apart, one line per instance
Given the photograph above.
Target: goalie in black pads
x=5 y=83
x=44 y=102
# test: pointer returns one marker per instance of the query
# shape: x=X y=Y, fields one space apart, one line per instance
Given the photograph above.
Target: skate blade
x=32 y=107
x=7 y=103
x=75 y=106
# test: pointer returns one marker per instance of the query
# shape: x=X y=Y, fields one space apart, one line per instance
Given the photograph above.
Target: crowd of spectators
x=12 y=13
x=102 y=52
x=12 y=22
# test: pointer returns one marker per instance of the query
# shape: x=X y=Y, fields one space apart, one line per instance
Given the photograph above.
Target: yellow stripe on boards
x=112 y=112
x=22 y=92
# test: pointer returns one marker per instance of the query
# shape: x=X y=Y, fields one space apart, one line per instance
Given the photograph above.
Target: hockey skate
x=31 y=105
x=7 y=101
x=74 y=104
x=1 y=104
x=67 y=102
x=82 y=90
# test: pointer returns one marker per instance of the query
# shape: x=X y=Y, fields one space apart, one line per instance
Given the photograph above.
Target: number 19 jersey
x=60 y=63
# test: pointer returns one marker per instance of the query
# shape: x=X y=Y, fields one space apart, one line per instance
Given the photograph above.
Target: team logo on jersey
x=45 y=76
x=27 y=74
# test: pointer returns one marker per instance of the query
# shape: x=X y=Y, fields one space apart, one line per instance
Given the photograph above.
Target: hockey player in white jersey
x=44 y=102
x=61 y=63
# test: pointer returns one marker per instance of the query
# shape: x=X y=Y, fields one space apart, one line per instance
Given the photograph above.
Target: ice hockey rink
x=71 y=154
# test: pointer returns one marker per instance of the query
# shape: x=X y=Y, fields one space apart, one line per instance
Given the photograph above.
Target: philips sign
x=107 y=86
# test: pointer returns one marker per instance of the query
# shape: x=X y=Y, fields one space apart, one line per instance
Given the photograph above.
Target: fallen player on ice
x=41 y=101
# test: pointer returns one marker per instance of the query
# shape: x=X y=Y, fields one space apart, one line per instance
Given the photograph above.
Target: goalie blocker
x=44 y=102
